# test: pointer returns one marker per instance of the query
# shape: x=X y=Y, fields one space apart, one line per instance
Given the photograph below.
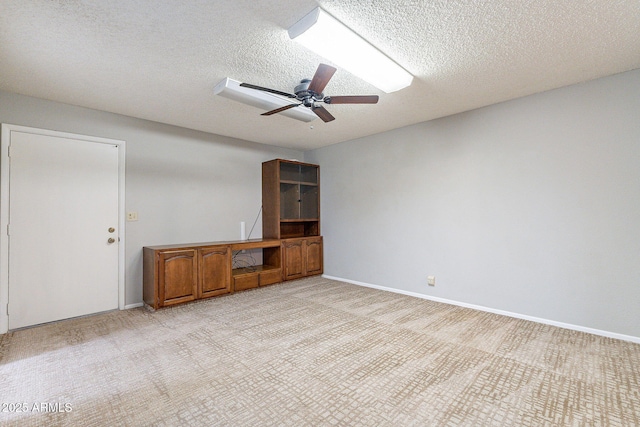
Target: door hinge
x=8 y=230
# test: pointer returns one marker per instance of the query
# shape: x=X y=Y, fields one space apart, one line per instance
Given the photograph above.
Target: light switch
x=132 y=216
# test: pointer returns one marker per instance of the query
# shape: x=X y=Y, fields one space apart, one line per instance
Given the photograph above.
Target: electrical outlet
x=132 y=216
x=431 y=280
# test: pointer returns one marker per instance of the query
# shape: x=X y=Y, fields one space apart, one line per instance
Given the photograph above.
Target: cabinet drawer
x=245 y=282
x=270 y=277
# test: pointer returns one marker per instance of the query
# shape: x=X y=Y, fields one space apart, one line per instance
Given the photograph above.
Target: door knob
x=111 y=240
x=111 y=229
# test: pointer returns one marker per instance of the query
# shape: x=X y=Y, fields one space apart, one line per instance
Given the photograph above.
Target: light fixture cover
x=323 y=34
x=231 y=89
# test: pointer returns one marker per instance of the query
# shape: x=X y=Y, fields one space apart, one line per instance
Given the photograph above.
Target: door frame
x=5 y=141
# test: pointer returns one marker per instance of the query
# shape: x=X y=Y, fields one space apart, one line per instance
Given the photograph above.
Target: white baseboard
x=495 y=311
x=136 y=305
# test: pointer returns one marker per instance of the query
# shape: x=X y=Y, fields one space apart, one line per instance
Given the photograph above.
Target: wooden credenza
x=175 y=274
x=292 y=247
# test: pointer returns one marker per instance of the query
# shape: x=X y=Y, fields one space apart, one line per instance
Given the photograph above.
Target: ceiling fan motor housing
x=306 y=96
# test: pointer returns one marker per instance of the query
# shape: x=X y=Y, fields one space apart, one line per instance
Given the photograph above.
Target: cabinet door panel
x=178 y=276
x=313 y=257
x=214 y=269
x=293 y=259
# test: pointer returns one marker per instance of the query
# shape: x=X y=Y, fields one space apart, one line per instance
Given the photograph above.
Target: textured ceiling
x=160 y=59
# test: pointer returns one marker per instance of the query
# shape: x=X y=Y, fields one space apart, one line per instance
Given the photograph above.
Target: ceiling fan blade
x=323 y=114
x=356 y=99
x=321 y=78
x=266 y=89
x=277 y=110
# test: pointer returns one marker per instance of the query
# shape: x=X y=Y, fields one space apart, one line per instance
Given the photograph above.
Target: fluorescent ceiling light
x=323 y=34
x=267 y=101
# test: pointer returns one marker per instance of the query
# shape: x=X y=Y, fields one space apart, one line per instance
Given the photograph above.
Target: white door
x=63 y=211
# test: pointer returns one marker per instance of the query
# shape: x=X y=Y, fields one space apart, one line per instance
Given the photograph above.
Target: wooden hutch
x=291 y=244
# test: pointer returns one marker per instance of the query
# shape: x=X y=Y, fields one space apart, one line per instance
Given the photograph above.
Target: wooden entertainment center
x=291 y=245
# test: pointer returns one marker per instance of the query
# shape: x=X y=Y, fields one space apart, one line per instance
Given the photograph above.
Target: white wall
x=530 y=206
x=186 y=186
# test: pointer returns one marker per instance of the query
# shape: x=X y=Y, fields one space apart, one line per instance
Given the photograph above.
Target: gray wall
x=186 y=186
x=530 y=206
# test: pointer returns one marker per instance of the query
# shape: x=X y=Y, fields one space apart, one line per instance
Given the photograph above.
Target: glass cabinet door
x=308 y=201
x=289 y=201
x=298 y=191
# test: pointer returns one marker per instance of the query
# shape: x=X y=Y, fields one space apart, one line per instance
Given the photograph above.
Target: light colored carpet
x=315 y=352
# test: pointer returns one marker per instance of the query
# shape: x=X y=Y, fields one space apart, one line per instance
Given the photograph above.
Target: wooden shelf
x=309 y=184
x=236 y=245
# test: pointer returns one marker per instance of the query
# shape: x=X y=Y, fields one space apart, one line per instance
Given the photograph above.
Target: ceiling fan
x=309 y=93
